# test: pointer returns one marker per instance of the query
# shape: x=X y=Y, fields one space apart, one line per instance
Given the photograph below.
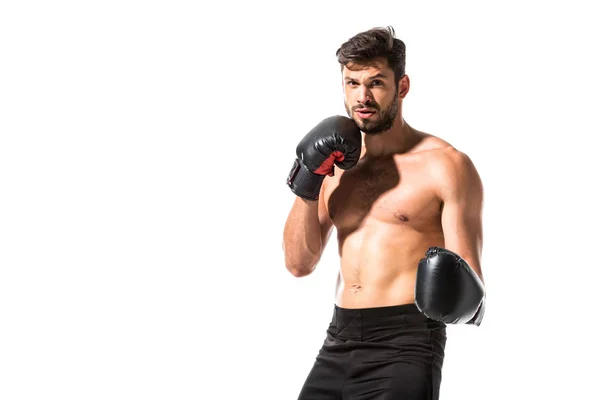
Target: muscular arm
x=462 y=196
x=306 y=232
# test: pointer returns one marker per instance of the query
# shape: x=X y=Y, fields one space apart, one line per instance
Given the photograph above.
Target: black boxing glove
x=448 y=290
x=335 y=140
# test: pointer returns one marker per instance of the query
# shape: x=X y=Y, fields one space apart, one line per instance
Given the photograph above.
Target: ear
x=403 y=87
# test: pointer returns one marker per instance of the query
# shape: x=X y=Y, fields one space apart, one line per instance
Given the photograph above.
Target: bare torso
x=387 y=213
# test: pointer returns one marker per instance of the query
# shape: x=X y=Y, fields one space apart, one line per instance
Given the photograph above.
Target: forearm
x=302 y=237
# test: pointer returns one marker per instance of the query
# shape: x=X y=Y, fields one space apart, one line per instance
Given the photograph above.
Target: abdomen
x=379 y=264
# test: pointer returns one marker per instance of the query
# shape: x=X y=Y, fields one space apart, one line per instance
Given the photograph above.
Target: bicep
x=462 y=213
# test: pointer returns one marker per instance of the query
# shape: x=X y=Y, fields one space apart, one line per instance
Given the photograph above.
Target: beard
x=384 y=121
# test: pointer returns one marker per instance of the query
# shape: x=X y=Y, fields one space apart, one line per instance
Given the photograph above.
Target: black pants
x=378 y=353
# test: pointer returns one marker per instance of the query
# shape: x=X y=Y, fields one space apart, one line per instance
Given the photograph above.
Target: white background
x=143 y=155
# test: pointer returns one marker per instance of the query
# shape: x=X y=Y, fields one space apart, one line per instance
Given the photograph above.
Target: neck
x=398 y=139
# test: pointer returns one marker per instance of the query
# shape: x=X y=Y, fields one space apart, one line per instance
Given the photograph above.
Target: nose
x=364 y=95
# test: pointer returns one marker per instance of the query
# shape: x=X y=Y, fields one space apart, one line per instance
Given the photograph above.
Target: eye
x=377 y=82
x=352 y=83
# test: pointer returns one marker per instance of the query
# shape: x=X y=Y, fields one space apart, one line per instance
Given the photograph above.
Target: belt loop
x=362 y=327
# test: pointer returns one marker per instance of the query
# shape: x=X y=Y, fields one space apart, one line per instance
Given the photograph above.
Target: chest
x=390 y=191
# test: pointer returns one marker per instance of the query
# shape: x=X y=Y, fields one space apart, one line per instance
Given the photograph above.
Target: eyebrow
x=376 y=76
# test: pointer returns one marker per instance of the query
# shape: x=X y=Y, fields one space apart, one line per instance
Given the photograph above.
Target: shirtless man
x=407 y=209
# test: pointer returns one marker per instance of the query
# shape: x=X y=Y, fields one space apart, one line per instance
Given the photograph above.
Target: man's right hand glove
x=335 y=140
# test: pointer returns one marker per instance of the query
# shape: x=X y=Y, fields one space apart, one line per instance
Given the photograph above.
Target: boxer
x=407 y=210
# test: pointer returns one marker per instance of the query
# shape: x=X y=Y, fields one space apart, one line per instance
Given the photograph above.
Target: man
x=407 y=209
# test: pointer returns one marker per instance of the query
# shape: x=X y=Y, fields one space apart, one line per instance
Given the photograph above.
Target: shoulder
x=444 y=157
x=453 y=169
x=456 y=164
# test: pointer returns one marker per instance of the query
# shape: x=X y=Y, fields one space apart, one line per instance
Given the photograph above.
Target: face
x=371 y=95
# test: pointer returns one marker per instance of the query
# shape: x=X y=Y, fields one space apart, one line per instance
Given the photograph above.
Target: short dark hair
x=374 y=43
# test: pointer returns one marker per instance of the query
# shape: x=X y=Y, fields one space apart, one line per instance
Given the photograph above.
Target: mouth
x=365 y=113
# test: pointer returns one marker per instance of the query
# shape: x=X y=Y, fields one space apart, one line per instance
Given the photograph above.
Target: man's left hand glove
x=448 y=290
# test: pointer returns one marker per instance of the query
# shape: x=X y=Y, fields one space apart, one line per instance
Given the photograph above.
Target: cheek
x=386 y=99
x=348 y=101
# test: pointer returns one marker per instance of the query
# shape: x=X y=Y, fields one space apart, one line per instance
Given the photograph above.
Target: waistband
x=388 y=321
x=377 y=312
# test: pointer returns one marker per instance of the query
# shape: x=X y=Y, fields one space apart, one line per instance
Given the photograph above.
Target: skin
x=409 y=191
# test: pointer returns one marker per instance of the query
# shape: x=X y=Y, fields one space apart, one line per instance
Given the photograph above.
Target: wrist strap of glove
x=303 y=182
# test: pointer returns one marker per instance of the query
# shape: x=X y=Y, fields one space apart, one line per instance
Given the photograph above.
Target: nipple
x=400 y=216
